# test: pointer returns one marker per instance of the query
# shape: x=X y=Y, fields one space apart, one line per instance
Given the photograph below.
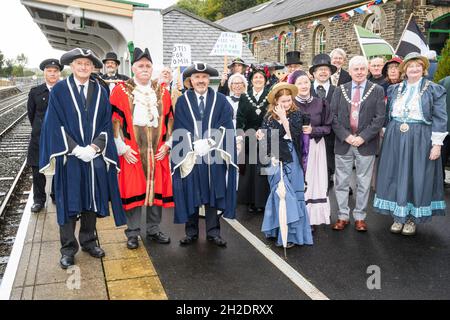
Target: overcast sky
x=19 y=34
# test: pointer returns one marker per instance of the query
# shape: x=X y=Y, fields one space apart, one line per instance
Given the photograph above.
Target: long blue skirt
x=409 y=184
x=299 y=229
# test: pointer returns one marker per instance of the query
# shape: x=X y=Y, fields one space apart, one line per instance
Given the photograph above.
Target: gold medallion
x=404 y=127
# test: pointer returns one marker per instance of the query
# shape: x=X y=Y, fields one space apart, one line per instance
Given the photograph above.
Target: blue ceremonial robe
x=213 y=184
x=80 y=186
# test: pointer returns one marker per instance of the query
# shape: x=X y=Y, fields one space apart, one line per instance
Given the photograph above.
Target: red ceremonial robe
x=148 y=181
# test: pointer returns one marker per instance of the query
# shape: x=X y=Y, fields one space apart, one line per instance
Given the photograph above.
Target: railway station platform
x=121 y=274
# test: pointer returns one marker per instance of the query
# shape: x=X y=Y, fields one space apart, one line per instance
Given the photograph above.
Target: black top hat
x=293 y=57
x=237 y=61
x=200 y=67
x=51 y=63
x=322 y=59
x=111 y=56
x=76 y=53
x=139 y=54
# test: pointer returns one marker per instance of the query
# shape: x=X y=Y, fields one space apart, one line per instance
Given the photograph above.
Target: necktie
x=202 y=106
x=235 y=99
x=321 y=91
x=354 y=114
x=83 y=98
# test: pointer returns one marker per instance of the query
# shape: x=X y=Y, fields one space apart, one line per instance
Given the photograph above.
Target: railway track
x=15 y=181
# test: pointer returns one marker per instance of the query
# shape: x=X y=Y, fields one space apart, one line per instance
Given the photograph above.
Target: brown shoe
x=340 y=224
x=360 y=225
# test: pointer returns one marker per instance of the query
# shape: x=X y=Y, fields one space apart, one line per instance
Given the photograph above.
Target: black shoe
x=159 y=237
x=188 y=240
x=218 y=241
x=259 y=210
x=250 y=209
x=95 y=252
x=66 y=261
x=37 y=207
x=133 y=243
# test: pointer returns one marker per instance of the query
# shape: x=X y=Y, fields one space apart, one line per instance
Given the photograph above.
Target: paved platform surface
x=121 y=274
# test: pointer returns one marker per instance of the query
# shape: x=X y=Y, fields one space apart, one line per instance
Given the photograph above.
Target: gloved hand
x=84 y=153
x=202 y=146
x=121 y=146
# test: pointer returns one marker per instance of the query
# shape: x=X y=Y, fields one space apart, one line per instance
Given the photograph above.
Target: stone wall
x=340 y=33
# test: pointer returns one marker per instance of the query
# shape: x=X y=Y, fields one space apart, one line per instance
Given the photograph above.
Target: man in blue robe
x=203 y=157
x=77 y=146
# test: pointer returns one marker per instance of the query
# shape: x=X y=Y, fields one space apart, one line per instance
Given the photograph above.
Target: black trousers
x=212 y=223
x=87 y=235
x=38 y=186
x=445 y=152
x=329 y=146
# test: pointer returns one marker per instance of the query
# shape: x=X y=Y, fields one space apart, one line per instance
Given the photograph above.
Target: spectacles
x=240 y=83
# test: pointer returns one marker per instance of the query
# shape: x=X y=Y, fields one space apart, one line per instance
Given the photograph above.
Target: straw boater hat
x=281 y=86
x=414 y=56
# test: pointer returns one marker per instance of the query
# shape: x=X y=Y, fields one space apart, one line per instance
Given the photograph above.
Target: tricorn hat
x=200 y=67
x=322 y=59
x=293 y=57
x=139 y=54
x=111 y=56
x=77 y=53
x=51 y=63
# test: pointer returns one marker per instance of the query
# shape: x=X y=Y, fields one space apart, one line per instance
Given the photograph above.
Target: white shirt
x=86 y=85
x=198 y=97
x=257 y=95
x=49 y=87
x=326 y=86
x=145 y=106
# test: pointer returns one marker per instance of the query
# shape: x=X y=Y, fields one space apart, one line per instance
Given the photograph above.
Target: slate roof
x=276 y=11
x=180 y=26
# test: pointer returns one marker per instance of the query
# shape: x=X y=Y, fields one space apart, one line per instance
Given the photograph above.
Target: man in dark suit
x=358 y=115
x=338 y=57
x=322 y=69
x=37 y=106
x=111 y=67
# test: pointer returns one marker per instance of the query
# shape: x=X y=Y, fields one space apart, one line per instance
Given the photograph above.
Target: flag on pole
x=371 y=44
x=412 y=40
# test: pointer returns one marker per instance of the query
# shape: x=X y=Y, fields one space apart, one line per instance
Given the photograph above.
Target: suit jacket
x=329 y=93
x=344 y=77
x=37 y=106
x=371 y=119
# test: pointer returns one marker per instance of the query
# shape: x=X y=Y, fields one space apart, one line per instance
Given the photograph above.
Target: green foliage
x=217 y=9
x=443 y=67
x=14 y=67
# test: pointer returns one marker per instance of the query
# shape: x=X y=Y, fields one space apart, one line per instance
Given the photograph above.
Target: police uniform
x=37 y=106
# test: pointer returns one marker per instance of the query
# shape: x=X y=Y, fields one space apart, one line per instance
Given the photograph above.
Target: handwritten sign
x=181 y=55
x=228 y=44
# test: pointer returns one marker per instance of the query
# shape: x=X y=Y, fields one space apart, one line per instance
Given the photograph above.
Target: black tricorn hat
x=293 y=57
x=76 y=53
x=51 y=63
x=139 y=54
x=322 y=59
x=200 y=67
x=111 y=56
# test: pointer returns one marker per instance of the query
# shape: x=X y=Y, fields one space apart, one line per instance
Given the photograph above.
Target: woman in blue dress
x=409 y=183
x=280 y=137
